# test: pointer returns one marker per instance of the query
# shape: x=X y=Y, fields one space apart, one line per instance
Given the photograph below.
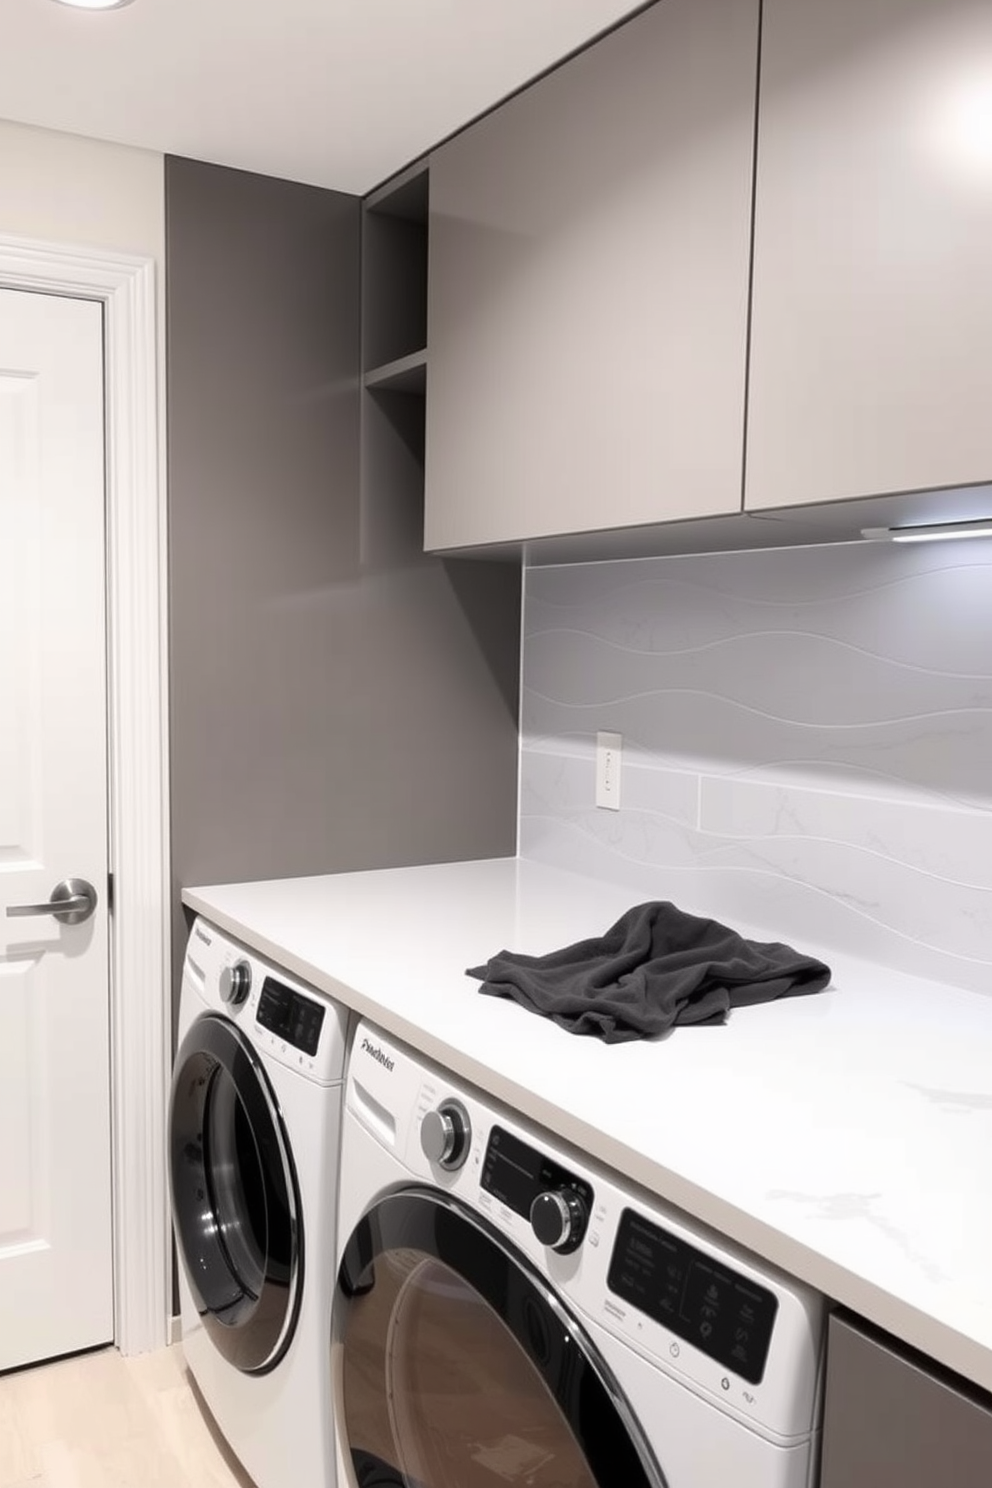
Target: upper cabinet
x=587 y=318
x=604 y=304
x=872 y=311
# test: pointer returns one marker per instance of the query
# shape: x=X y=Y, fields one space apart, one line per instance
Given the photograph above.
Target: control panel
x=285 y=1019
x=556 y=1202
x=295 y=1019
x=693 y=1295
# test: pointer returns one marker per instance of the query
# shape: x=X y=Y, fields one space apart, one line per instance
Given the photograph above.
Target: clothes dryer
x=254 y=1126
x=509 y=1312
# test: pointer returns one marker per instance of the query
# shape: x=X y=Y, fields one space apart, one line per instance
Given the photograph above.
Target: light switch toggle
x=609 y=752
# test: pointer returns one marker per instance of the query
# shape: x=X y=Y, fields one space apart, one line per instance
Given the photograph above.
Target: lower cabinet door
x=892 y=1422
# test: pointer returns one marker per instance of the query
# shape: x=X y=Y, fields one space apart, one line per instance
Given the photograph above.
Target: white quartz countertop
x=846 y=1136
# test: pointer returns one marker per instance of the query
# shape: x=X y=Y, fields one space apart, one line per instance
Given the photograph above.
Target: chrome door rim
x=252 y=1334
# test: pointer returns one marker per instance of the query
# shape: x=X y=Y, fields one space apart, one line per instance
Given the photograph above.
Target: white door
x=56 y=1261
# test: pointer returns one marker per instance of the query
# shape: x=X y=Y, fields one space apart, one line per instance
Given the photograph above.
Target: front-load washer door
x=235 y=1199
x=456 y=1366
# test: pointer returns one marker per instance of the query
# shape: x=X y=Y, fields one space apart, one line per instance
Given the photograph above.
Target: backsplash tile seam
x=741 y=637
x=848 y=901
x=728 y=842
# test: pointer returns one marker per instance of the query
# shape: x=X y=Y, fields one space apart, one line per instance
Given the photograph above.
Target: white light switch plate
x=609 y=752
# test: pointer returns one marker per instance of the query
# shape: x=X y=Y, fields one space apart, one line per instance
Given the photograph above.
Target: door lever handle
x=73 y=901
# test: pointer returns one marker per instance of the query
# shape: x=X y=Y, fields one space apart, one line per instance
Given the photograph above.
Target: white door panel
x=56 y=1272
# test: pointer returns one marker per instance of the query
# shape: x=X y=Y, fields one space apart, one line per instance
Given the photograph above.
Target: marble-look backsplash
x=807 y=741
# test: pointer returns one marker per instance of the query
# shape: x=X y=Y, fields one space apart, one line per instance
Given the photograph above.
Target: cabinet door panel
x=888 y=1423
x=871 y=315
x=587 y=310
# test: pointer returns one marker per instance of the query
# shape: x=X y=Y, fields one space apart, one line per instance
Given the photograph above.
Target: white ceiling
x=337 y=93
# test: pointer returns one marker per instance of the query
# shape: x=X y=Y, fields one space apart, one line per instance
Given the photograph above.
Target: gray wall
x=336 y=703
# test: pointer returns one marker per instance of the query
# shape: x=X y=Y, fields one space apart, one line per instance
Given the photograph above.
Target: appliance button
x=234 y=983
x=446 y=1134
x=558 y=1218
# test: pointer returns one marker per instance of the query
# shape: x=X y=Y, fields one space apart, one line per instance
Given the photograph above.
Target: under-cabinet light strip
x=95 y=4
x=935 y=532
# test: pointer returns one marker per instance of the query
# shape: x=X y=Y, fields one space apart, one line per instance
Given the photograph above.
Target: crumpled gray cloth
x=655 y=968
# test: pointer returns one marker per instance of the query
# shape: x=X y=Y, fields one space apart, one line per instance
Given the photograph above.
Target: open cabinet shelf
x=394 y=368
x=406 y=374
x=394 y=271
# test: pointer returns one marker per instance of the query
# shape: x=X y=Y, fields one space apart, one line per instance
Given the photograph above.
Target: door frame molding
x=137 y=636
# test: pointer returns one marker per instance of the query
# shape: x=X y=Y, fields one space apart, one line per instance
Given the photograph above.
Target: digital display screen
x=515 y=1173
x=700 y=1300
x=290 y=1016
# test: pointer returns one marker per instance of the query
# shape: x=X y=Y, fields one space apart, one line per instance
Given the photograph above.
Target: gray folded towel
x=656 y=967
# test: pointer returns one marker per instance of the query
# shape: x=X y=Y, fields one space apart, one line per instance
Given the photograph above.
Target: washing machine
x=254 y=1129
x=507 y=1312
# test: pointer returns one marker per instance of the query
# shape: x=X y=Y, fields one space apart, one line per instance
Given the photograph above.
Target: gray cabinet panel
x=587 y=308
x=872 y=315
x=889 y=1423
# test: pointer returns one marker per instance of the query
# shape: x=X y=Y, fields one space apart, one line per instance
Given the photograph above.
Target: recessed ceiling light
x=95 y=4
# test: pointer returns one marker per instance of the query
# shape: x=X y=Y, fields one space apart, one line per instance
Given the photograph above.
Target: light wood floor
x=100 y=1421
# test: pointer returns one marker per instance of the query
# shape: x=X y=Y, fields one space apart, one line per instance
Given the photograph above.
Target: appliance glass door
x=455 y=1366
x=235 y=1199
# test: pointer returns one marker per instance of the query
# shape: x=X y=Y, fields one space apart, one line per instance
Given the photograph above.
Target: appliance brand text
x=377 y=1053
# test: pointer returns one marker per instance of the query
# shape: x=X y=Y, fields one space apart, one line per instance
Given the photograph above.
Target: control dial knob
x=558 y=1218
x=445 y=1135
x=234 y=983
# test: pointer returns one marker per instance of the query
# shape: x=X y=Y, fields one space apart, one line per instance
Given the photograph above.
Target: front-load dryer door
x=455 y=1365
x=235 y=1199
